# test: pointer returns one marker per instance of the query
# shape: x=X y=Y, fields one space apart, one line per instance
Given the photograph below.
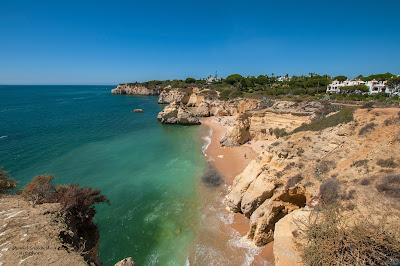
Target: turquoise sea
x=82 y=134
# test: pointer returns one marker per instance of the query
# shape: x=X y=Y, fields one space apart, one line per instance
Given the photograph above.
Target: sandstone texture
x=286 y=176
x=239 y=133
x=176 y=113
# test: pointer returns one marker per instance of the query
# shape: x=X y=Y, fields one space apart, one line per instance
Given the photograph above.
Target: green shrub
x=345 y=115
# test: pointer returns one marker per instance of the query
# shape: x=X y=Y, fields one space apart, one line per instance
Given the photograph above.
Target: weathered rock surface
x=134 y=89
x=30 y=235
x=241 y=184
x=126 y=262
x=178 y=95
x=287 y=237
x=239 y=133
x=176 y=113
x=288 y=172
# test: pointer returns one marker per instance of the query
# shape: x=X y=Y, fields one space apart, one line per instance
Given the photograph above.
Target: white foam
x=3 y=137
x=239 y=241
x=225 y=217
x=207 y=142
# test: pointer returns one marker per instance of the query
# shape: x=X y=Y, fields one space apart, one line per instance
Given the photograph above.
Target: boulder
x=176 y=113
x=126 y=262
x=239 y=133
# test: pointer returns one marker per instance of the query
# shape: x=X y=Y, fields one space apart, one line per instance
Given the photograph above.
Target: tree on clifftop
x=340 y=78
x=234 y=78
x=190 y=80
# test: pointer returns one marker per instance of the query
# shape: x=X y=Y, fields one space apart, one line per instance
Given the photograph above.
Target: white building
x=336 y=85
x=283 y=78
x=374 y=86
x=212 y=78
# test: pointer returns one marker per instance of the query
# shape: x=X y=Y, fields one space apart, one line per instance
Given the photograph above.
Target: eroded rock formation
x=288 y=172
x=135 y=89
x=176 y=113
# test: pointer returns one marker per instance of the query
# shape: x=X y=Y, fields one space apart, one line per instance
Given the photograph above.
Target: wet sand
x=229 y=162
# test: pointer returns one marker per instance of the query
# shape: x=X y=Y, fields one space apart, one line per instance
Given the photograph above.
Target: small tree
x=190 y=80
x=340 y=78
x=6 y=183
x=234 y=78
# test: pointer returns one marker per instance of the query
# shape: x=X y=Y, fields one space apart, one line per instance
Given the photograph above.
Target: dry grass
x=359 y=163
x=387 y=163
x=323 y=167
x=329 y=191
x=366 y=129
x=389 y=185
x=331 y=238
x=293 y=181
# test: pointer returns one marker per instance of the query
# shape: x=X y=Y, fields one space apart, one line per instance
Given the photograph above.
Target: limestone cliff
x=288 y=172
x=135 y=89
x=176 y=113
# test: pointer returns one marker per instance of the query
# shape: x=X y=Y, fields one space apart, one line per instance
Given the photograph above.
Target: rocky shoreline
x=293 y=159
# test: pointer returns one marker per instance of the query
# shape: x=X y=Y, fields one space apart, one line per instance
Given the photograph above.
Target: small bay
x=82 y=134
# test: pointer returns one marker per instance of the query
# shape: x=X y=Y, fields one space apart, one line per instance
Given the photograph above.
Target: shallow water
x=83 y=134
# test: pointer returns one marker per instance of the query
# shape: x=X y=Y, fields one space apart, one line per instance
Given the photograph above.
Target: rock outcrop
x=287 y=238
x=288 y=172
x=176 y=113
x=178 y=95
x=239 y=133
x=126 y=262
x=135 y=89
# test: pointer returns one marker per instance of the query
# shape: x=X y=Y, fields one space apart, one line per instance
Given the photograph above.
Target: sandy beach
x=229 y=162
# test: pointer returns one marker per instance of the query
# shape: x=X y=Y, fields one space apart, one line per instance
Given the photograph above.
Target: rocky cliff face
x=169 y=95
x=288 y=172
x=176 y=113
x=134 y=89
x=201 y=103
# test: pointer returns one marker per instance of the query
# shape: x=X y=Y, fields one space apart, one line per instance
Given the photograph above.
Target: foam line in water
x=207 y=142
x=3 y=137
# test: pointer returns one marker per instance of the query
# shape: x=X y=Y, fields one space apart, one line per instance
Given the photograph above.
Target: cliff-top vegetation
x=312 y=85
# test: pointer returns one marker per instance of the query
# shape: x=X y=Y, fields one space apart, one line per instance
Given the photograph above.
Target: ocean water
x=82 y=134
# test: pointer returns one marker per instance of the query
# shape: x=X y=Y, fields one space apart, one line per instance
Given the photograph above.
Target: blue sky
x=107 y=42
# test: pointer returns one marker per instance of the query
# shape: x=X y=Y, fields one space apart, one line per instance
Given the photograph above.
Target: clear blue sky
x=107 y=42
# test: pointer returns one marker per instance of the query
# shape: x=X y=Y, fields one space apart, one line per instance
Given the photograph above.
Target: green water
x=83 y=134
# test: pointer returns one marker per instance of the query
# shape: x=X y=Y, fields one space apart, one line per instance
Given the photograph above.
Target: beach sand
x=229 y=162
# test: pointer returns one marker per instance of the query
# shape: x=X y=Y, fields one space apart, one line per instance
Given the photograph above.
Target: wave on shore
x=207 y=142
